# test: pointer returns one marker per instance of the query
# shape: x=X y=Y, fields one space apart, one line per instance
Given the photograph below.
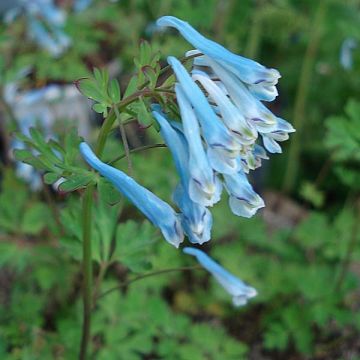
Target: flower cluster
x=214 y=146
x=46 y=23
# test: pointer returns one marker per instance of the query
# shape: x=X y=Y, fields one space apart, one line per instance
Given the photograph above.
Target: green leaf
x=134 y=242
x=50 y=178
x=144 y=116
x=108 y=192
x=35 y=219
x=132 y=87
x=77 y=181
x=150 y=75
x=114 y=91
x=90 y=89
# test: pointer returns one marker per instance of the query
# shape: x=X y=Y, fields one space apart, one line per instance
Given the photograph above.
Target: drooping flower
x=230 y=114
x=156 y=210
x=243 y=200
x=223 y=148
x=239 y=291
x=281 y=133
x=252 y=109
x=346 y=53
x=204 y=186
x=196 y=219
x=260 y=80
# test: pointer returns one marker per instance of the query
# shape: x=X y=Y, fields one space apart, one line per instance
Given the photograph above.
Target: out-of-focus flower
x=81 y=5
x=156 y=210
x=260 y=80
x=196 y=218
x=46 y=23
x=346 y=53
x=239 y=291
x=42 y=108
x=204 y=186
x=243 y=201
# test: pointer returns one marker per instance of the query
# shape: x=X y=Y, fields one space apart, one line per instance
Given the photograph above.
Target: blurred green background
x=301 y=252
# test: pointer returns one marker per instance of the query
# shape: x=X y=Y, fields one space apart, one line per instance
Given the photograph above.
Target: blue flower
x=261 y=80
x=232 y=117
x=243 y=201
x=196 y=218
x=281 y=133
x=223 y=148
x=239 y=291
x=252 y=109
x=156 y=210
x=204 y=186
x=346 y=53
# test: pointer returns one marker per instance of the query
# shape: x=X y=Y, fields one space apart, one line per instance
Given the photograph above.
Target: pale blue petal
x=253 y=110
x=245 y=69
x=176 y=145
x=239 y=291
x=271 y=145
x=156 y=210
x=204 y=186
x=243 y=201
x=215 y=132
x=196 y=218
x=232 y=117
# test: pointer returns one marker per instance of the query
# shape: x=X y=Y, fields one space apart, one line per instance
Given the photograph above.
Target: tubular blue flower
x=231 y=116
x=260 y=79
x=156 y=210
x=204 y=186
x=195 y=218
x=253 y=110
x=243 y=201
x=281 y=133
x=223 y=148
x=239 y=291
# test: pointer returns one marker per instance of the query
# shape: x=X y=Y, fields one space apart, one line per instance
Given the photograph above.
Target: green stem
x=124 y=140
x=253 y=43
x=344 y=266
x=9 y=112
x=141 y=148
x=299 y=117
x=87 y=271
x=102 y=271
x=150 y=274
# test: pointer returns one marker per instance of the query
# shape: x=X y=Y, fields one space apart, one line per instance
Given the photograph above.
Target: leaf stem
x=124 y=140
x=87 y=272
x=299 y=117
x=149 y=274
x=141 y=148
x=344 y=266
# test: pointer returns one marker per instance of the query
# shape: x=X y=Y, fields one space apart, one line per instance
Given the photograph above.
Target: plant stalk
x=292 y=168
x=150 y=274
x=124 y=140
x=87 y=271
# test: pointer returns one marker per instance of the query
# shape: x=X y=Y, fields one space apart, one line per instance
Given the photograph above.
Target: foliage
x=304 y=267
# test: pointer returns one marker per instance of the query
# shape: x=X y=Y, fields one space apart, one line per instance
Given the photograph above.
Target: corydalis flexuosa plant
x=224 y=132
